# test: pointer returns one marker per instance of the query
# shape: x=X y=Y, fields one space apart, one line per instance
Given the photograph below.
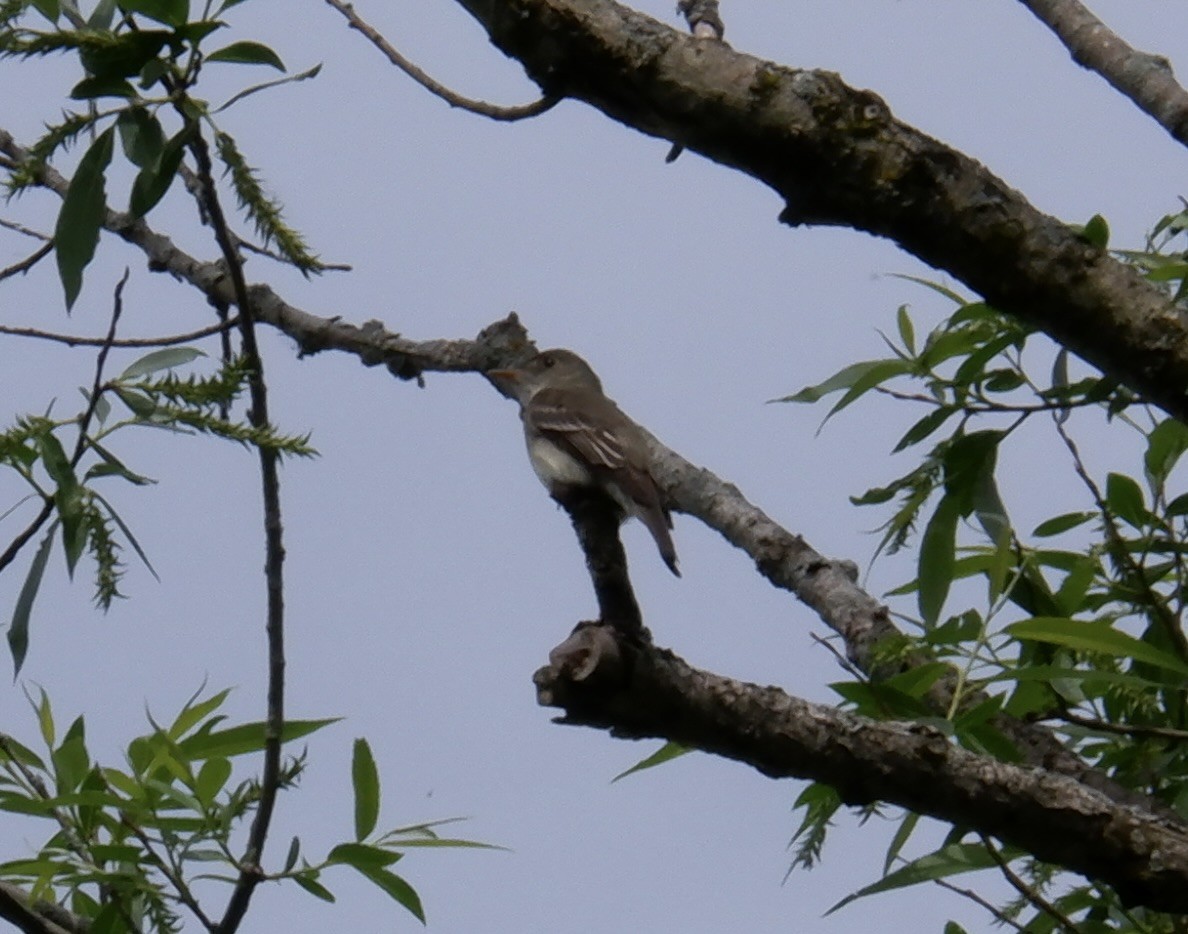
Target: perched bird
x=577 y=437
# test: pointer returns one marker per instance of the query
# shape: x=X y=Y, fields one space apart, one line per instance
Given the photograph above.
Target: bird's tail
x=658 y=522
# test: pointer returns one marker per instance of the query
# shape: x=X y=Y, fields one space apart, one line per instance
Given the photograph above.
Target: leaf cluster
x=1082 y=623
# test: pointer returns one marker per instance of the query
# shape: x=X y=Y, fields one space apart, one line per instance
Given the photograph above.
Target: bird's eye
x=548 y=360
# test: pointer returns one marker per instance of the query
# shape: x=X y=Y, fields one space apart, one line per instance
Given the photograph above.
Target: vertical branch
x=250 y=872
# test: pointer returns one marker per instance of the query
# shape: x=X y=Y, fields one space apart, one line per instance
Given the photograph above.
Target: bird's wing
x=598 y=437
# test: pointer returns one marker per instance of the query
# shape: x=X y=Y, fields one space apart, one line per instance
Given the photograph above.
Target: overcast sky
x=428 y=572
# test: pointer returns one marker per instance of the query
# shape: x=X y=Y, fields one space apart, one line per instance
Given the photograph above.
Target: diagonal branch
x=1059 y=820
x=1146 y=79
x=836 y=155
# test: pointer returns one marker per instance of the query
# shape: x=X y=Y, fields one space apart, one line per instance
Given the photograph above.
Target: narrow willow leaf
x=18 y=629
x=294 y=852
x=245 y=738
x=935 y=571
x=397 y=888
x=1095 y=637
x=141 y=136
x=163 y=359
x=1166 y=443
x=947 y=861
x=907 y=333
x=77 y=232
x=169 y=12
x=906 y=828
x=1058 y=524
x=365 y=781
x=1124 y=497
x=247 y=53
x=153 y=181
x=314 y=887
x=665 y=753
x=360 y=854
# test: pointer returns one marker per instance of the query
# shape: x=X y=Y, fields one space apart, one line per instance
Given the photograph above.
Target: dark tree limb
x=1145 y=79
x=36 y=917
x=836 y=155
x=644 y=692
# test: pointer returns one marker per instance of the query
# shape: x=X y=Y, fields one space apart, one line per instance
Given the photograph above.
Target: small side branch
x=436 y=88
x=1146 y=79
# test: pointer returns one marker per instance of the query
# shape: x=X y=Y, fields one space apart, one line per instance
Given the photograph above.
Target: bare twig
x=999 y=916
x=482 y=108
x=251 y=872
x=22 y=229
x=1124 y=729
x=171 y=873
x=1029 y=892
x=72 y=340
x=1146 y=79
x=27 y=263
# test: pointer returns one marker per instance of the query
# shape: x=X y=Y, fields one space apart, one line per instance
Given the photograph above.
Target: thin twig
x=27 y=231
x=169 y=871
x=482 y=108
x=28 y=262
x=72 y=340
x=1027 y=891
x=251 y=873
x=1145 y=79
x=1123 y=729
x=1125 y=562
x=1000 y=916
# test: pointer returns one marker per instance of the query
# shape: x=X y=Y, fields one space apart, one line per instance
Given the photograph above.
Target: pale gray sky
x=428 y=573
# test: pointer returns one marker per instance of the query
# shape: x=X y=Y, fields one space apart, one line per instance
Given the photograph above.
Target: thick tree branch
x=1144 y=78
x=836 y=155
x=17 y=908
x=643 y=692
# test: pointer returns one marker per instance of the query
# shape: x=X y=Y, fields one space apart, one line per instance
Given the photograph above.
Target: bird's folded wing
x=598 y=437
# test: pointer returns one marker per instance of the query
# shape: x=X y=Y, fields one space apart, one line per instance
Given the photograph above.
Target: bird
x=578 y=438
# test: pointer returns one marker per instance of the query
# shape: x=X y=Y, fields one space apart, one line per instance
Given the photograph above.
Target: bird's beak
x=513 y=376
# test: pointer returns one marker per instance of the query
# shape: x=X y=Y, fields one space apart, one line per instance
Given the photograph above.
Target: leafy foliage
x=1082 y=623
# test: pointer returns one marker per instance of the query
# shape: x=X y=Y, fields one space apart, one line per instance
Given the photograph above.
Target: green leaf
x=141 y=136
x=1097 y=231
x=924 y=427
x=122 y=55
x=55 y=461
x=194 y=713
x=294 y=852
x=1094 y=637
x=169 y=12
x=929 y=284
x=361 y=855
x=71 y=764
x=907 y=333
x=365 y=780
x=935 y=570
x=1124 y=498
x=843 y=379
x=18 y=629
x=1062 y=523
x=109 y=86
x=906 y=827
x=1165 y=445
x=310 y=883
x=397 y=888
x=243 y=739
x=153 y=181
x=163 y=359
x=211 y=778
x=247 y=53
x=665 y=753
x=947 y=861
x=115 y=517
x=77 y=232
x=48 y=8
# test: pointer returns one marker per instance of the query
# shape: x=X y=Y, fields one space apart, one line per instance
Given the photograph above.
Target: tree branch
x=436 y=88
x=837 y=156
x=1145 y=79
x=643 y=692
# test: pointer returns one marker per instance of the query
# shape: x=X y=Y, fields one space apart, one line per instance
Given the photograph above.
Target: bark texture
x=836 y=155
